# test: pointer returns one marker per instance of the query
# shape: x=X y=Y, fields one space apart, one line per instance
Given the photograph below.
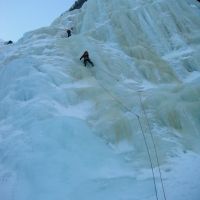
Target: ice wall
x=153 y=47
x=70 y=132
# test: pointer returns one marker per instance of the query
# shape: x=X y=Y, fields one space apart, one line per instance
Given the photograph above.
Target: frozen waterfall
x=114 y=131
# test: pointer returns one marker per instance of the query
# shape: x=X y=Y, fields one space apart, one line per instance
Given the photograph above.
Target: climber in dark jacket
x=9 y=42
x=86 y=58
x=69 y=33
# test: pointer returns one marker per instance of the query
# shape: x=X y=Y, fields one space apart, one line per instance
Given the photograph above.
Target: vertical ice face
x=70 y=132
x=149 y=46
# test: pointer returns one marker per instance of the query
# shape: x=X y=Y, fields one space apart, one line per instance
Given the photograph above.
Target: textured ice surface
x=70 y=132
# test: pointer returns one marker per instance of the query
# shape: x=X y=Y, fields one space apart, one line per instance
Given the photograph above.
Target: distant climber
x=86 y=58
x=9 y=42
x=69 y=32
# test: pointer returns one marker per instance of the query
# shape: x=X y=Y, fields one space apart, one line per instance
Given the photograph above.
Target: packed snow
x=125 y=129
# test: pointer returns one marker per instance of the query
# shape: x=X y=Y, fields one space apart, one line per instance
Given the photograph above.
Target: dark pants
x=69 y=33
x=88 y=60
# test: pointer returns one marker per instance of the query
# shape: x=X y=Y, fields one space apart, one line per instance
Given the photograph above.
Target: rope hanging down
x=154 y=145
x=150 y=160
x=139 y=121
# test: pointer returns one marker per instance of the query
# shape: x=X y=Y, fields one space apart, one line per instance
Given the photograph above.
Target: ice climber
x=9 y=42
x=86 y=58
x=69 y=32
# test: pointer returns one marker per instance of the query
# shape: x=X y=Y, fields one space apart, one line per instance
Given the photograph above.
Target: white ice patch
x=80 y=111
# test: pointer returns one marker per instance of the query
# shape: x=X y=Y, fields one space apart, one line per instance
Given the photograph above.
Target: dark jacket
x=85 y=56
x=69 y=32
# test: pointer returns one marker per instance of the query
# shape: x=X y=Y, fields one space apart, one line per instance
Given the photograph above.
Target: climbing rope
x=154 y=145
x=139 y=121
x=149 y=155
x=152 y=138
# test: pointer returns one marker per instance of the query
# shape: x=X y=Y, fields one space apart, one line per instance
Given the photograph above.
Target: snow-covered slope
x=70 y=132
